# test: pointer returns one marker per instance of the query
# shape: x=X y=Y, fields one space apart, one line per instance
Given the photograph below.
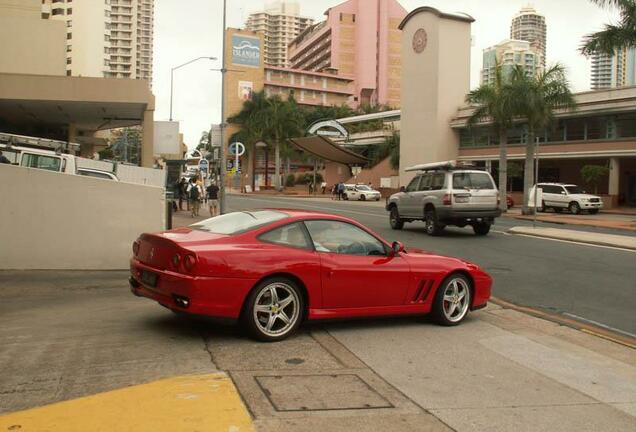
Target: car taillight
x=135 y=247
x=189 y=262
x=176 y=259
x=446 y=200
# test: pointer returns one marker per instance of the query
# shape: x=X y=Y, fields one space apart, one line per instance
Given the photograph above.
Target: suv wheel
x=433 y=227
x=481 y=228
x=574 y=207
x=394 y=218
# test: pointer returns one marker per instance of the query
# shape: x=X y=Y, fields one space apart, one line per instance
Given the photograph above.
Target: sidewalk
x=621 y=221
x=624 y=242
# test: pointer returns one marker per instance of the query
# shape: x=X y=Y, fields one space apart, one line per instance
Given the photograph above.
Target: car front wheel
x=363 y=198
x=395 y=220
x=452 y=300
x=575 y=208
x=273 y=310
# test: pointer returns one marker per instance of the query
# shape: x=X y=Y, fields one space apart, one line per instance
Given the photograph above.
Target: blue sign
x=246 y=51
x=203 y=165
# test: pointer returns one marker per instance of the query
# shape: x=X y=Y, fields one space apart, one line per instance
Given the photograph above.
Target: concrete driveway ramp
x=320 y=393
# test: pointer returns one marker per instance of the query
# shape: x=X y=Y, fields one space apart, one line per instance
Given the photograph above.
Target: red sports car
x=273 y=269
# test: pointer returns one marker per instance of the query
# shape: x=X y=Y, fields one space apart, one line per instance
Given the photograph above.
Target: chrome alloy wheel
x=276 y=309
x=456 y=299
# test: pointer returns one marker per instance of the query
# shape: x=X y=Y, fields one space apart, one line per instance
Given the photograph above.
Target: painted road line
x=596 y=323
x=187 y=403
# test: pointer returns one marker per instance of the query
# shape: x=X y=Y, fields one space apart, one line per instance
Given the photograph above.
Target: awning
x=325 y=149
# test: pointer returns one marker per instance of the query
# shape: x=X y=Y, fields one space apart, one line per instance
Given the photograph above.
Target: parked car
x=559 y=196
x=89 y=172
x=444 y=194
x=360 y=192
x=302 y=266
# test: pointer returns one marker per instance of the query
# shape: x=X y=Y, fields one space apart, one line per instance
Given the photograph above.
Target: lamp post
x=172 y=76
x=222 y=203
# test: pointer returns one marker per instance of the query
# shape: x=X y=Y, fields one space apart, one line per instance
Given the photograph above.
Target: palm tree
x=282 y=121
x=494 y=102
x=543 y=94
x=613 y=37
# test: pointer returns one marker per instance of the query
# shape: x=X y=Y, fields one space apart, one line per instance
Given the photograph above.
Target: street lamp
x=172 y=76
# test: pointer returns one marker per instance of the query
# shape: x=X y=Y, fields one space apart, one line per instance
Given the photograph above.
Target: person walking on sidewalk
x=213 y=199
x=341 y=189
x=181 y=192
x=194 y=196
x=323 y=185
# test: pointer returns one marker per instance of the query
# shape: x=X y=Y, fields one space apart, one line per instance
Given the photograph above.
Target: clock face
x=420 y=39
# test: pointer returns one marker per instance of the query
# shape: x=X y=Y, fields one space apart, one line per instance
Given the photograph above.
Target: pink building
x=359 y=39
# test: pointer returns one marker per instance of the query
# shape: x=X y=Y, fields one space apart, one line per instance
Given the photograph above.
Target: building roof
x=326 y=149
x=458 y=16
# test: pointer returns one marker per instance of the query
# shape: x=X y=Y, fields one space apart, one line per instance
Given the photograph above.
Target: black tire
x=363 y=198
x=397 y=223
x=433 y=226
x=438 y=312
x=481 y=229
x=593 y=211
x=574 y=208
x=344 y=197
x=260 y=292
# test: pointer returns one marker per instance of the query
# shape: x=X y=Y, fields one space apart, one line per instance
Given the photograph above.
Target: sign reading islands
x=246 y=51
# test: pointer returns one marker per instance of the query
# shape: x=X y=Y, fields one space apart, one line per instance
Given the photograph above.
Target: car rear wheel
x=452 y=300
x=395 y=220
x=481 y=228
x=432 y=224
x=274 y=310
x=575 y=208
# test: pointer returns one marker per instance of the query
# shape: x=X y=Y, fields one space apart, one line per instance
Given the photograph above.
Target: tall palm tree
x=494 y=102
x=544 y=93
x=282 y=122
x=613 y=36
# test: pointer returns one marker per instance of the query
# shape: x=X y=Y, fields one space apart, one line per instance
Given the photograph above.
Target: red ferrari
x=273 y=269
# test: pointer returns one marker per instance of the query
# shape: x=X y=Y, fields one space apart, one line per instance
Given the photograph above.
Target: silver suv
x=445 y=195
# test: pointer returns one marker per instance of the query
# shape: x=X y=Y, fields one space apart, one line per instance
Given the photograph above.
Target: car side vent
x=422 y=291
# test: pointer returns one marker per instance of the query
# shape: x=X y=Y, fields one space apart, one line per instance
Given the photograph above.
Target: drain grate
x=320 y=392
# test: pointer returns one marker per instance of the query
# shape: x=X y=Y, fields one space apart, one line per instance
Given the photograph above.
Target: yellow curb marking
x=188 y=403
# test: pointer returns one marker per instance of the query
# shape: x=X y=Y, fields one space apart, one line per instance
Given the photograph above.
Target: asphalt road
x=584 y=282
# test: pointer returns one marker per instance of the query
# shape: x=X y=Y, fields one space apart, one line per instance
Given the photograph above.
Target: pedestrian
x=181 y=192
x=202 y=188
x=334 y=191
x=324 y=186
x=213 y=199
x=194 y=196
x=311 y=187
x=341 y=189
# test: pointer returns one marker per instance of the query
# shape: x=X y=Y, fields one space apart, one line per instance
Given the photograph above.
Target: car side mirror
x=396 y=248
x=563 y=193
x=402 y=189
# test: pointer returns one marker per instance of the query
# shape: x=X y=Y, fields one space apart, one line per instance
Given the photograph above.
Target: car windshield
x=472 y=180
x=363 y=187
x=238 y=222
x=574 y=190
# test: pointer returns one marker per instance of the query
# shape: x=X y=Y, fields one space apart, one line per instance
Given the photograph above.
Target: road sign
x=203 y=166
x=237 y=149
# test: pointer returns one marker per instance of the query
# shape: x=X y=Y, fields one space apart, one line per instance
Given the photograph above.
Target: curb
x=578 y=223
x=590 y=329
x=575 y=240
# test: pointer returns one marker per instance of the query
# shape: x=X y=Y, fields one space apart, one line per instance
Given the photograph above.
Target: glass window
x=289 y=235
x=575 y=129
x=50 y=163
x=437 y=181
x=343 y=238
x=574 y=190
x=472 y=180
x=626 y=125
x=238 y=222
x=413 y=185
x=425 y=183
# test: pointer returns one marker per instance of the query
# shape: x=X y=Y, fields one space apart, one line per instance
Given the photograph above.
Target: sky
x=186 y=29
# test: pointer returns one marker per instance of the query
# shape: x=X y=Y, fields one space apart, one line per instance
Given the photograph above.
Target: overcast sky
x=185 y=29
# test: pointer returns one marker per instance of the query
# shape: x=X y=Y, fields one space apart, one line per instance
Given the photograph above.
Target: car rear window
x=472 y=180
x=239 y=222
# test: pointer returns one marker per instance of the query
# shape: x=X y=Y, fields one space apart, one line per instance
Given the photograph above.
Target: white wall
x=60 y=221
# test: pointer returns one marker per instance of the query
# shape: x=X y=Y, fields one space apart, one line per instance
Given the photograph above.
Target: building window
x=68 y=61
x=57 y=11
x=69 y=23
x=69 y=35
x=69 y=48
x=68 y=72
x=106 y=38
x=69 y=11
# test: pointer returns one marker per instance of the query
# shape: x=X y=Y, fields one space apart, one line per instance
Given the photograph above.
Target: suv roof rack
x=443 y=166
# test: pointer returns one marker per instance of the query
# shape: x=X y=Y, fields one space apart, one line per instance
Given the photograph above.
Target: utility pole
x=222 y=158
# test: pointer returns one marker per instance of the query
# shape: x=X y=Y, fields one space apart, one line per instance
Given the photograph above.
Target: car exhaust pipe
x=181 y=301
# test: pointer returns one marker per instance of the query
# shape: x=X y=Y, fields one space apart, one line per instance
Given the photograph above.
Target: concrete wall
x=29 y=43
x=58 y=221
x=434 y=83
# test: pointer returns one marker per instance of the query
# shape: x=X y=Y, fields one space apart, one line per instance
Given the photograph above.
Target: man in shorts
x=213 y=199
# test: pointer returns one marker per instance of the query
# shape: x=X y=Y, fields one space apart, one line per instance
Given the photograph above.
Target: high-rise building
x=279 y=23
x=528 y=25
x=618 y=70
x=359 y=39
x=508 y=54
x=113 y=40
